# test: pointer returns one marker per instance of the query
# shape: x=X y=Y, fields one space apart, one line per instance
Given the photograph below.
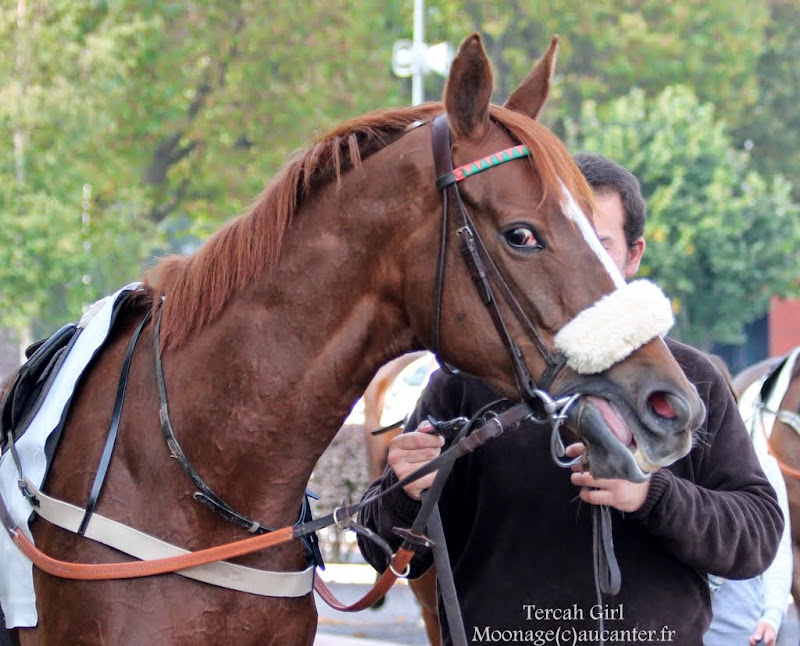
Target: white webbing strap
x=145 y=547
x=616 y=325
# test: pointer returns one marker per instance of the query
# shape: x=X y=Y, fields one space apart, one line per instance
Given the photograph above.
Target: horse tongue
x=615 y=423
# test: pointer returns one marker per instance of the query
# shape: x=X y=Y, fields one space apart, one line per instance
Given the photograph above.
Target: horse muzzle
x=620 y=444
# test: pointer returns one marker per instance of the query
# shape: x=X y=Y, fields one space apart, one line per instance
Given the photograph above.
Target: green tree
x=123 y=121
x=609 y=46
x=721 y=239
x=772 y=128
x=129 y=124
x=54 y=120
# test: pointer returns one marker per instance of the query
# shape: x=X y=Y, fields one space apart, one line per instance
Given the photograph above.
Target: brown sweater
x=520 y=541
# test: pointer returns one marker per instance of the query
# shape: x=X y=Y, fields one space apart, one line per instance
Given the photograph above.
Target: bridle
x=542 y=407
x=484 y=273
x=482 y=268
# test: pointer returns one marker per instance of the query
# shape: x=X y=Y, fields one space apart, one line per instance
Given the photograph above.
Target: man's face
x=609 y=221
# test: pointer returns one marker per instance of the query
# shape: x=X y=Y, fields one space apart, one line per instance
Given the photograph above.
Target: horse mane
x=197 y=288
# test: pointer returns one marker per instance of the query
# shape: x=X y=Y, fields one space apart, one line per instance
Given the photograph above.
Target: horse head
x=340 y=266
x=558 y=294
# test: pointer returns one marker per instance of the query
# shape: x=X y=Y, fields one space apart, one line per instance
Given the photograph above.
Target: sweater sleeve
x=714 y=509
x=395 y=509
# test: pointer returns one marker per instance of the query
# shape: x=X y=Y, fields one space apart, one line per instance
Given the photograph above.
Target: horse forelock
x=198 y=287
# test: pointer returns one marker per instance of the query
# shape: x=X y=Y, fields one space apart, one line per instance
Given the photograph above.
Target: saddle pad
x=17 y=595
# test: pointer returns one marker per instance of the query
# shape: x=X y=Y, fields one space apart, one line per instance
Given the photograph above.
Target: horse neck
x=294 y=352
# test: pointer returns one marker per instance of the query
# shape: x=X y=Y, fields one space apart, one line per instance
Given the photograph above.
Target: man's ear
x=634 y=257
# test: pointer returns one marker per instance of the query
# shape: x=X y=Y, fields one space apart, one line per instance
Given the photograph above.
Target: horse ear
x=469 y=89
x=531 y=95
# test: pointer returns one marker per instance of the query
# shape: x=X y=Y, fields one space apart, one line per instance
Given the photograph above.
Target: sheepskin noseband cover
x=615 y=326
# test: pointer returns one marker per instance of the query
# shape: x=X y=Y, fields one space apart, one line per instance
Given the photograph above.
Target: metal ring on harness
x=400 y=575
x=345 y=522
x=556 y=410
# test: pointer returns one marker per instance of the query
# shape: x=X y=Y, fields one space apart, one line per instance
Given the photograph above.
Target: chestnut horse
x=272 y=330
x=783 y=442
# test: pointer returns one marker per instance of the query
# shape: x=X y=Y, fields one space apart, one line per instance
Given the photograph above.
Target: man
x=520 y=539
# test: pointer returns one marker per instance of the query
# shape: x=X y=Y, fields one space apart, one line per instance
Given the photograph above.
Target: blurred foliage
x=131 y=128
x=721 y=239
x=609 y=46
x=772 y=127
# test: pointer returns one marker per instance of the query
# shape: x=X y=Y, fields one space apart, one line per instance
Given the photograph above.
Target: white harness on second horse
x=760 y=415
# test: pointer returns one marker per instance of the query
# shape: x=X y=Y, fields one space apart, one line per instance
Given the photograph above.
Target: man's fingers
x=416 y=456
x=574 y=450
x=597 y=496
x=414 y=489
x=586 y=479
x=410 y=451
x=417 y=440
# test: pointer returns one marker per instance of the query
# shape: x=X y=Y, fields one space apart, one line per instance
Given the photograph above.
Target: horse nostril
x=662 y=404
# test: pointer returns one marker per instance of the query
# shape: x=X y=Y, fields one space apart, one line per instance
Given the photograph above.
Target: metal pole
x=418 y=76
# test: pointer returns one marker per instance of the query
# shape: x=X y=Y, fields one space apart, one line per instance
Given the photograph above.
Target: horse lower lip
x=644 y=464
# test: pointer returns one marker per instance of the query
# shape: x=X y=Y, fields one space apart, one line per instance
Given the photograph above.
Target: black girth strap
x=111 y=439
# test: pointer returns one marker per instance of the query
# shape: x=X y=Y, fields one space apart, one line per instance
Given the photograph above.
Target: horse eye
x=522 y=238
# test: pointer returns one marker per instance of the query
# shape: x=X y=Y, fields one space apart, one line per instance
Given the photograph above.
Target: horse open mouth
x=611 y=447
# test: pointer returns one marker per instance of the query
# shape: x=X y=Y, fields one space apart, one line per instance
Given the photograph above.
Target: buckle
x=23 y=487
x=343 y=521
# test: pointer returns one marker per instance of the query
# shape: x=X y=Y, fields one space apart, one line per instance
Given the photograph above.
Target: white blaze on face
x=620 y=322
x=574 y=213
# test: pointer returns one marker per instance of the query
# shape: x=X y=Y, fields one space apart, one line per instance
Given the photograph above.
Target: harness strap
x=444 y=579
x=441 y=159
x=144 y=546
x=111 y=439
x=205 y=494
x=398 y=566
x=606 y=569
x=429 y=517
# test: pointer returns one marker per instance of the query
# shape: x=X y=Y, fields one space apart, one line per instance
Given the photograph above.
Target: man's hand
x=410 y=451
x=765 y=632
x=619 y=494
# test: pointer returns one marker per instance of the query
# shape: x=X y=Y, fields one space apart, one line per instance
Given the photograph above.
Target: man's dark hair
x=607 y=176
